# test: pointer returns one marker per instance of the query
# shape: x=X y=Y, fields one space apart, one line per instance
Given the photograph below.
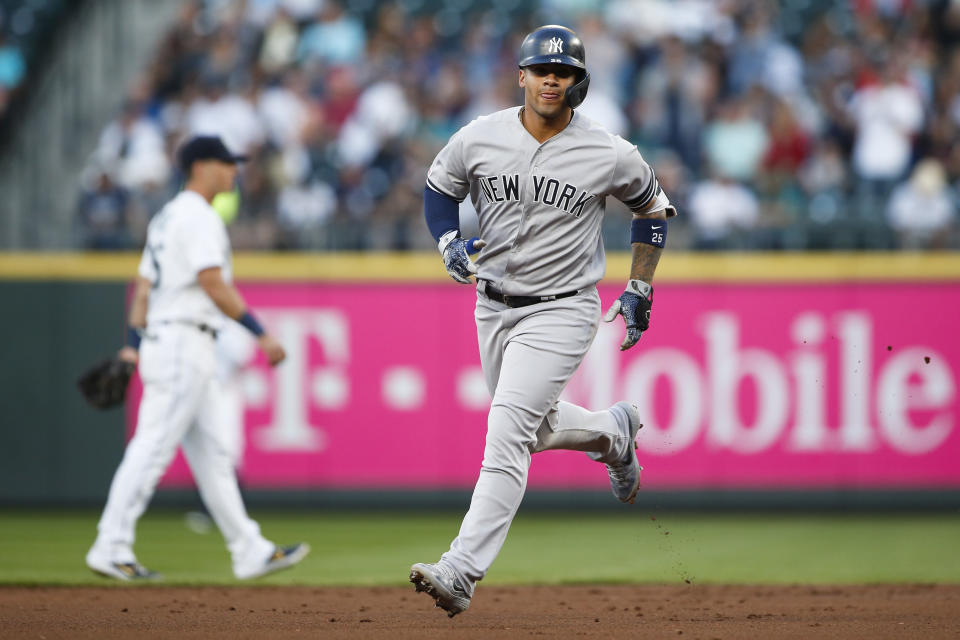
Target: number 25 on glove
x=634 y=304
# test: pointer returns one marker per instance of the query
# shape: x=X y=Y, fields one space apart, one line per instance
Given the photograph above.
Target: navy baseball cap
x=206 y=148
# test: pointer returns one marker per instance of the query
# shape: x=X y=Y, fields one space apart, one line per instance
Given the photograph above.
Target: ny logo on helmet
x=556 y=45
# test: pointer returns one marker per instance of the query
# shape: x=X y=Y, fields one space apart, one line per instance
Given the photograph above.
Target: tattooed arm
x=646 y=256
x=635 y=303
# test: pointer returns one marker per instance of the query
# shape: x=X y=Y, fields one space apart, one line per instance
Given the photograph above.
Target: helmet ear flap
x=575 y=94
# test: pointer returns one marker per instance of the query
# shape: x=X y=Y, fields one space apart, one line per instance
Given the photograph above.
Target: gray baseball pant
x=528 y=355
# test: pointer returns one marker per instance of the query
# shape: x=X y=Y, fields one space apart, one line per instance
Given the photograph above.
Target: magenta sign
x=741 y=386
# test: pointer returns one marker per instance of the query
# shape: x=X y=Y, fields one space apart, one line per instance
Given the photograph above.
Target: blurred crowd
x=24 y=29
x=799 y=124
x=12 y=69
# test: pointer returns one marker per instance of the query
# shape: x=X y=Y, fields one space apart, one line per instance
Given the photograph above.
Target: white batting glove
x=456 y=255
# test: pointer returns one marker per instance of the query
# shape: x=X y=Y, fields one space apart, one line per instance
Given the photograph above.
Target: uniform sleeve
x=148 y=266
x=202 y=246
x=448 y=173
x=634 y=183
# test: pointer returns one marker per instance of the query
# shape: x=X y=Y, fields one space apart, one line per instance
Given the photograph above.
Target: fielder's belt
x=520 y=301
x=199 y=326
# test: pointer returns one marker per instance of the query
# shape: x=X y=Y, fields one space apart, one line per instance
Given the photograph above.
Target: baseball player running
x=182 y=294
x=538 y=176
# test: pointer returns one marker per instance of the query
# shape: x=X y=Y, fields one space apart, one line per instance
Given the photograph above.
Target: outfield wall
x=783 y=373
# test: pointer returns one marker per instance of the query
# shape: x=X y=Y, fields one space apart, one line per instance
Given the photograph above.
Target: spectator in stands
x=228 y=114
x=789 y=144
x=736 y=141
x=134 y=146
x=674 y=95
x=887 y=114
x=382 y=114
x=825 y=179
x=922 y=210
x=303 y=209
x=225 y=57
x=278 y=50
x=12 y=64
x=284 y=108
x=441 y=111
x=339 y=97
x=388 y=40
x=301 y=10
x=335 y=38
x=180 y=54
x=787 y=152
x=609 y=59
x=761 y=58
x=939 y=138
x=102 y=212
x=722 y=211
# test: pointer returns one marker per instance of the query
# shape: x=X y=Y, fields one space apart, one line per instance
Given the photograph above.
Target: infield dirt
x=638 y=611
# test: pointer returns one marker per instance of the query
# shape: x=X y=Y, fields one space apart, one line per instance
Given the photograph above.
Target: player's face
x=217 y=176
x=544 y=87
x=226 y=175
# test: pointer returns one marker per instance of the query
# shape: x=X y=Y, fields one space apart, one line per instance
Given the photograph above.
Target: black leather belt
x=202 y=326
x=521 y=301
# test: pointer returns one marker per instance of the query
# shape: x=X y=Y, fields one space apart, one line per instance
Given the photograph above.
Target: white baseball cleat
x=625 y=474
x=442 y=584
x=126 y=571
x=281 y=558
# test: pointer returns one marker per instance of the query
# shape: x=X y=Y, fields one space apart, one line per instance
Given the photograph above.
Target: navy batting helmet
x=554 y=44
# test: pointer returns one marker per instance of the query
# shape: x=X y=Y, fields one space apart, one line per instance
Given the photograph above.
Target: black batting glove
x=456 y=255
x=634 y=304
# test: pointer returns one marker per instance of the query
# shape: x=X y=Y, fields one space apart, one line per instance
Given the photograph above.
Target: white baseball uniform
x=236 y=348
x=181 y=397
x=540 y=207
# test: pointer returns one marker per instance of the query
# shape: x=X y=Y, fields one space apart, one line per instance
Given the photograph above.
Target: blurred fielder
x=538 y=176
x=235 y=350
x=182 y=293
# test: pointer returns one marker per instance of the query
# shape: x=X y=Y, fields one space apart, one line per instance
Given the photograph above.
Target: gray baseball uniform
x=540 y=209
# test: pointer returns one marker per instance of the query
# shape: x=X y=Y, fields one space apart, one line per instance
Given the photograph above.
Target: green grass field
x=45 y=547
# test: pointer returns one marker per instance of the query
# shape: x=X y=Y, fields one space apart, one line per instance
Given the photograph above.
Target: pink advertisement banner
x=740 y=386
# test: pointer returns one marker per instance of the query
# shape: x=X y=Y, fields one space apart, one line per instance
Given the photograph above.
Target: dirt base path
x=686 y=612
